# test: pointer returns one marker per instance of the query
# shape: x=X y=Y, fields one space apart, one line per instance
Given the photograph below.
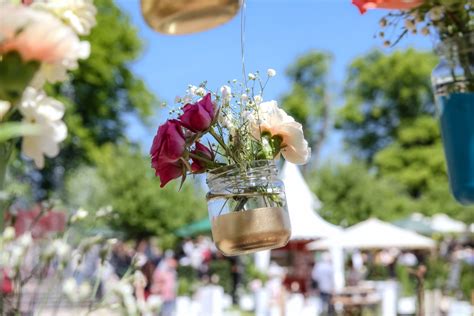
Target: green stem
x=6 y=149
x=220 y=141
x=209 y=162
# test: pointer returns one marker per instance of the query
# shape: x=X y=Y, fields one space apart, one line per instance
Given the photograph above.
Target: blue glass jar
x=453 y=84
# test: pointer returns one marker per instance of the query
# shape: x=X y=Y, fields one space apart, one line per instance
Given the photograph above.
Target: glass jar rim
x=230 y=169
x=450 y=44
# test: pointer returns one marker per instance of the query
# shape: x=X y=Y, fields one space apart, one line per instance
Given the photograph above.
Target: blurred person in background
x=165 y=283
x=323 y=275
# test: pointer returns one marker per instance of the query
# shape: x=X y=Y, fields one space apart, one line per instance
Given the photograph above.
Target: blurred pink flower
x=363 y=5
x=39 y=225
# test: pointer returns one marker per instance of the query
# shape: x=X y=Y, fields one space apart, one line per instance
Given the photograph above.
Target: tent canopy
x=302 y=205
x=202 y=226
x=442 y=223
x=375 y=234
x=415 y=222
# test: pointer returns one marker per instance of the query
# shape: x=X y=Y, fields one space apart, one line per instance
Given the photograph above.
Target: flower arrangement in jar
x=235 y=137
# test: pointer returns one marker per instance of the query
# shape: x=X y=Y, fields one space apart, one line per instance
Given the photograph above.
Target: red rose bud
x=198 y=117
x=202 y=151
x=166 y=151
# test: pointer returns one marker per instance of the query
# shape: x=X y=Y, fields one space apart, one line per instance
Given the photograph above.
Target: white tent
x=302 y=206
x=375 y=234
x=442 y=223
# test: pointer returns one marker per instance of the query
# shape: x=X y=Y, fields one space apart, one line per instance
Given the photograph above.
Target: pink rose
x=198 y=117
x=202 y=151
x=166 y=151
x=363 y=5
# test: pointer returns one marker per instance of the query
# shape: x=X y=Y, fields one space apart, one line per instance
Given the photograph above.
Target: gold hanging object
x=176 y=17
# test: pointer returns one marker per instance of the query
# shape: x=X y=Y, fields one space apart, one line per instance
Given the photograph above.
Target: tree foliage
x=383 y=94
x=143 y=208
x=350 y=194
x=308 y=100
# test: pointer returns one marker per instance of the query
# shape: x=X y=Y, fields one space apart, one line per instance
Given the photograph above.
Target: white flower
x=139 y=279
x=200 y=91
x=252 y=76
x=40 y=36
x=70 y=289
x=46 y=114
x=226 y=93
x=104 y=211
x=258 y=99
x=139 y=260
x=191 y=91
x=84 y=290
x=15 y=259
x=273 y=120
x=80 y=215
x=4 y=107
x=25 y=240
x=244 y=98
x=79 y=14
x=154 y=302
x=436 y=13
x=410 y=24
x=61 y=249
x=271 y=72
x=8 y=233
x=226 y=120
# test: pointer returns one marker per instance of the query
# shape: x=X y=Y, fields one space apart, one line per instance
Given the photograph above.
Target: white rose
x=271 y=119
x=79 y=14
x=46 y=114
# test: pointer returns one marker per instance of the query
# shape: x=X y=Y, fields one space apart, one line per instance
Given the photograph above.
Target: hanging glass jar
x=187 y=16
x=453 y=85
x=247 y=208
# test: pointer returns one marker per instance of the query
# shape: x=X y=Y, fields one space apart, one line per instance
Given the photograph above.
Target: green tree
x=308 y=100
x=383 y=94
x=142 y=208
x=99 y=95
x=351 y=193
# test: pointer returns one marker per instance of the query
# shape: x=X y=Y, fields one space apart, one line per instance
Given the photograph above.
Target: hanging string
x=242 y=40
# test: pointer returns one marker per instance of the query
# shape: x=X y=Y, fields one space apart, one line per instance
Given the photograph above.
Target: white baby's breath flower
x=436 y=13
x=61 y=248
x=252 y=76
x=274 y=121
x=16 y=254
x=258 y=99
x=226 y=93
x=8 y=234
x=225 y=120
x=177 y=99
x=4 y=107
x=425 y=30
x=46 y=114
x=79 y=14
x=200 y=91
x=244 y=98
x=191 y=90
x=410 y=24
x=271 y=72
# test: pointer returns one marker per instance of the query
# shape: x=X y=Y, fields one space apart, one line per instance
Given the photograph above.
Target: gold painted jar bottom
x=244 y=232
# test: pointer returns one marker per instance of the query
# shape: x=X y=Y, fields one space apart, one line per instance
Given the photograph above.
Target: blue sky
x=277 y=32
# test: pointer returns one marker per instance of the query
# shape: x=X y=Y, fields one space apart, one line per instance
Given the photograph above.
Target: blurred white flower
x=104 y=211
x=8 y=234
x=271 y=72
x=79 y=215
x=436 y=13
x=225 y=119
x=139 y=279
x=25 y=240
x=226 y=93
x=46 y=113
x=70 y=289
x=258 y=99
x=4 y=107
x=244 y=98
x=274 y=121
x=40 y=36
x=84 y=290
x=16 y=254
x=154 y=302
x=79 y=14
x=139 y=260
x=61 y=249
x=252 y=76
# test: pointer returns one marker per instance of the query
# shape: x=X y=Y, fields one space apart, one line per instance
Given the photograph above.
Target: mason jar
x=453 y=85
x=247 y=208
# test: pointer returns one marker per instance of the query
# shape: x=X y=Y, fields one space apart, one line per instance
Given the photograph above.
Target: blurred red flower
x=363 y=5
